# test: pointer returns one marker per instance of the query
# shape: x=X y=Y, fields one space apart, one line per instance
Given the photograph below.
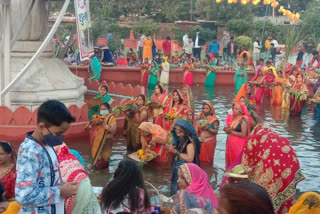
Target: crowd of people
x=261 y=167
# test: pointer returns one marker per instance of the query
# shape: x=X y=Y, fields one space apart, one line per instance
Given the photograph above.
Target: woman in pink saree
x=296 y=102
x=237 y=127
x=258 y=88
x=187 y=73
x=195 y=191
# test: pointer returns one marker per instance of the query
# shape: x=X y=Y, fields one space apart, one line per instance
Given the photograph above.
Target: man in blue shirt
x=214 y=48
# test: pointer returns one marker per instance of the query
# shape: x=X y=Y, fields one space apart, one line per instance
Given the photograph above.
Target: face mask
x=146 y=134
x=206 y=113
x=104 y=112
x=52 y=140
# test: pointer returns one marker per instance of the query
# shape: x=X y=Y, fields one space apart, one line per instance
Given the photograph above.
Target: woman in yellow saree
x=134 y=119
x=286 y=92
x=102 y=128
x=308 y=203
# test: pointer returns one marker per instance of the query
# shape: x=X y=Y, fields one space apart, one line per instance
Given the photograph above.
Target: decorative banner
x=83 y=28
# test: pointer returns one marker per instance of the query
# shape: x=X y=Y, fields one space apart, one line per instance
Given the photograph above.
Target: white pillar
x=6 y=51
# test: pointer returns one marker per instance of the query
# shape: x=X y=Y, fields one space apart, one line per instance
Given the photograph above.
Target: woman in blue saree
x=94 y=104
x=240 y=77
x=185 y=147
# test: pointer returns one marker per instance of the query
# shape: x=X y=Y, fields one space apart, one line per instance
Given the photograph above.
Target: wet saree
x=156 y=111
x=240 y=78
x=133 y=135
x=164 y=77
x=270 y=161
x=100 y=139
x=211 y=75
x=235 y=143
x=198 y=194
x=286 y=93
x=296 y=104
x=158 y=140
x=208 y=144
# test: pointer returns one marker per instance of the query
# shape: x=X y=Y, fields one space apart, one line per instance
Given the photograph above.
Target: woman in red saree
x=270 y=161
x=268 y=84
x=187 y=73
x=160 y=99
x=296 y=102
x=144 y=72
x=258 y=88
x=187 y=96
x=157 y=136
x=208 y=124
x=238 y=128
x=8 y=168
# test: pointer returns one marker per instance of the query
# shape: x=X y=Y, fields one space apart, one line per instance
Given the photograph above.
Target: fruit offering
x=146 y=156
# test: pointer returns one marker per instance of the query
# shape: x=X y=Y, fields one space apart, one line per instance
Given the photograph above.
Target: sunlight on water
x=304 y=134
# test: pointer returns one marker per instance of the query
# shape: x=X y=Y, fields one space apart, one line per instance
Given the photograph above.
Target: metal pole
x=264 y=26
x=6 y=53
x=191 y=8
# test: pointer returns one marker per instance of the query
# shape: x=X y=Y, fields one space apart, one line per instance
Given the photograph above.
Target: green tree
x=311 y=21
x=238 y=26
x=146 y=28
x=210 y=10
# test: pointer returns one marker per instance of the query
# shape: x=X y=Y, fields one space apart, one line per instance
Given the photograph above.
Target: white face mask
x=104 y=112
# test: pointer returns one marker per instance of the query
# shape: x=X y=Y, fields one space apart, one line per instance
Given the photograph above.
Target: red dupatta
x=270 y=161
x=245 y=115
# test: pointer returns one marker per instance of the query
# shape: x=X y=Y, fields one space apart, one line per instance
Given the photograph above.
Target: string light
x=273 y=3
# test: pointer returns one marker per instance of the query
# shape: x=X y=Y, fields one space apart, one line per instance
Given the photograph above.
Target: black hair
x=106 y=105
x=143 y=97
x=232 y=37
x=261 y=60
x=160 y=87
x=244 y=55
x=180 y=97
x=268 y=62
x=6 y=147
x=106 y=87
x=2 y=190
x=168 y=38
x=315 y=52
x=54 y=113
x=127 y=181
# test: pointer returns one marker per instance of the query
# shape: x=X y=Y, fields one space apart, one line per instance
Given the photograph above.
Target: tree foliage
x=238 y=26
x=146 y=28
x=244 y=40
x=311 y=21
x=206 y=33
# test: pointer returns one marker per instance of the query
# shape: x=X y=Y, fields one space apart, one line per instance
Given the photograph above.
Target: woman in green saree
x=95 y=69
x=102 y=97
x=240 y=77
x=153 y=75
x=211 y=73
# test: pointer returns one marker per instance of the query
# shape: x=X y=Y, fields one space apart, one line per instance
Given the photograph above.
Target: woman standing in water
x=237 y=127
x=298 y=97
x=157 y=137
x=185 y=147
x=153 y=75
x=208 y=125
x=101 y=134
x=134 y=119
x=94 y=104
x=240 y=77
x=160 y=99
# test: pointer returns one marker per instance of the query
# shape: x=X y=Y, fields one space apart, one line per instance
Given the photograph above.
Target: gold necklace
x=5 y=172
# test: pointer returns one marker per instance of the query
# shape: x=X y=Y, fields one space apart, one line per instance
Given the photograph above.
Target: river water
x=304 y=134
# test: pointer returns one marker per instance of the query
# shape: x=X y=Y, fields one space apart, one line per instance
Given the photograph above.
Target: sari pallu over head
x=158 y=134
x=270 y=161
x=212 y=117
x=198 y=189
x=190 y=133
x=308 y=203
x=245 y=115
